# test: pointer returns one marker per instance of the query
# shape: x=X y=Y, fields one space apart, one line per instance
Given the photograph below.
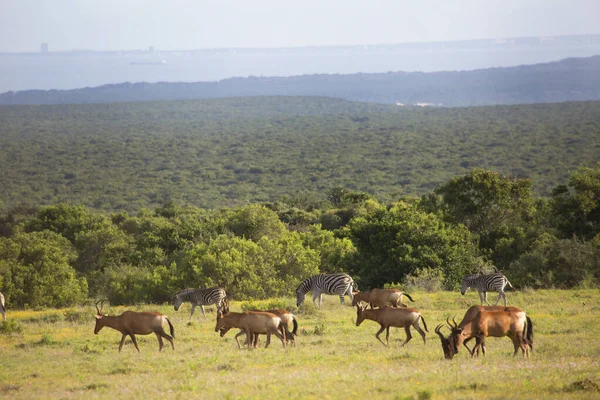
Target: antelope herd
x=386 y=308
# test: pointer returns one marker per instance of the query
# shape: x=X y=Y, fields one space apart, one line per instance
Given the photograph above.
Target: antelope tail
x=410 y=298
x=529 y=335
x=171 y=328
x=295 y=322
x=424 y=324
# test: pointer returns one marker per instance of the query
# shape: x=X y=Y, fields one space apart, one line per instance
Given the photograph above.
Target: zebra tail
x=171 y=328
x=295 y=322
x=410 y=298
x=424 y=324
x=529 y=335
x=509 y=284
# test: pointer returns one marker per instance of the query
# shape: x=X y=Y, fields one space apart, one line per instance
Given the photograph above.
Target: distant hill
x=229 y=152
x=573 y=79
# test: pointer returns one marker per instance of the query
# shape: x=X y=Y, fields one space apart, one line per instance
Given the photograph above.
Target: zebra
x=486 y=283
x=2 y=307
x=201 y=297
x=339 y=284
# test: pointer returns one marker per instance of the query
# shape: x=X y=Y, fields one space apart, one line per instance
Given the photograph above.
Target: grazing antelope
x=390 y=316
x=486 y=283
x=514 y=324
x=286 y=317
x=131 y=323
x=336 y=284
x=200 y=297
x=474 y=310
x=2 y=307
x=250 y=323
x=381 y=297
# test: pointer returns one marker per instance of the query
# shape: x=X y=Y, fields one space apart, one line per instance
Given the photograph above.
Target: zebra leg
x=349 y=291
x=341 y=299
x=503 y=296
x=485 y=299
x=202 y=308
x=192 y=313
x=315 y=296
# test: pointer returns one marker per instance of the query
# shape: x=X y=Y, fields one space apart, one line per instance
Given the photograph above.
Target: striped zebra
x=339 y=284
x=486 y=283
x=2 y=306
x=201 y=297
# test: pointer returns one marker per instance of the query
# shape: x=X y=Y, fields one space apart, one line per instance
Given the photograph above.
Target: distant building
x=44 y=47
x=150 y=49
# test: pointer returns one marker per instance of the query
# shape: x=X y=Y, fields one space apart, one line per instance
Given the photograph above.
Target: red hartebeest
x=132 y=323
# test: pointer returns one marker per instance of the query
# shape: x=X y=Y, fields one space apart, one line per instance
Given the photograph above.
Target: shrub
x=425 y=279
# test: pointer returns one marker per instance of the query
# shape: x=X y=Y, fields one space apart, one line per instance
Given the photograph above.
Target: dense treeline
x=62 y=254
x=231 y=152
x=574 y=79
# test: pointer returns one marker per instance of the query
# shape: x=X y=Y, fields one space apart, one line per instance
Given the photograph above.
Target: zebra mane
x=185 y=292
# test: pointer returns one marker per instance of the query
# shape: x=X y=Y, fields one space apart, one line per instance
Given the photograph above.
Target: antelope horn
x=454 y=320
x=101 y=306
x=437 y=330
x=448 y=322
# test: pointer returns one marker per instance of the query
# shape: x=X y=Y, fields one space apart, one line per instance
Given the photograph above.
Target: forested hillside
x=228 y=152
x=575 y=79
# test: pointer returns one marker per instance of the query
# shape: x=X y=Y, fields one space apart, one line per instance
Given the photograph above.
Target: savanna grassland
x=56 y=355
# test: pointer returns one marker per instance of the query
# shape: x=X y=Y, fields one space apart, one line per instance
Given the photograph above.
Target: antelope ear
x=98 y=316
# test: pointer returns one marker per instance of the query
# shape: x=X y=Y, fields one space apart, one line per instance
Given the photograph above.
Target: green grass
x=54 y=355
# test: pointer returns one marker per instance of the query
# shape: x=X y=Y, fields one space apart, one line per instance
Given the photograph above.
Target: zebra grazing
x=339 y=284
x=486 y=283
x=2 y=307
x=201 y=297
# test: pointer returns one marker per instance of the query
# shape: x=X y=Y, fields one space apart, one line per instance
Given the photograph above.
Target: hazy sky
x=194 y=24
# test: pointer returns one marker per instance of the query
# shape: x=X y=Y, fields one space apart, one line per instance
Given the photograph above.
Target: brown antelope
x=497 y=323
x=381 y=297
x=286 y=317
x=251 y=322
x=132 y=323
x=391 y=316
x=474 y=310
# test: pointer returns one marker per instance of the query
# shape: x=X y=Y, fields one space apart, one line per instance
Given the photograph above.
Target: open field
x=56 y=355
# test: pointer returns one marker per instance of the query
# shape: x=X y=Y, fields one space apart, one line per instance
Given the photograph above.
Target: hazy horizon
x=381 y=44
x=112 y=25
x=310 y=31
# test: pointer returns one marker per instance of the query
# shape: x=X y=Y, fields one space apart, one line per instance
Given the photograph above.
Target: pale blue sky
x=194 y=24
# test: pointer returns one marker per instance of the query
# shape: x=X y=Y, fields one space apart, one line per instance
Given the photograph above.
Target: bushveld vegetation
x=231 y=152
x=63 y=254
x=54 y=354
